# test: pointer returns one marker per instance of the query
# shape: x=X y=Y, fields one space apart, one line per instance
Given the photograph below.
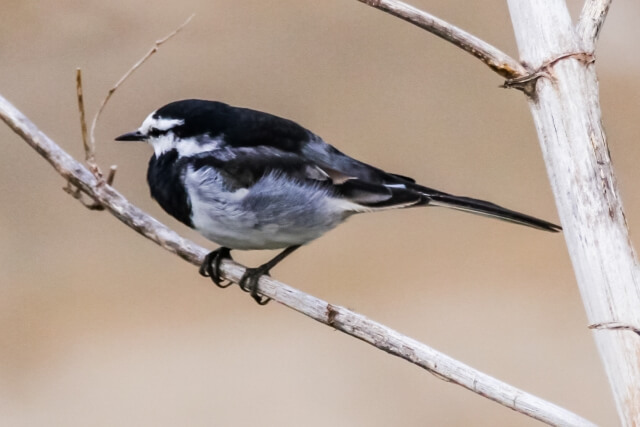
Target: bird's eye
x=154 y=132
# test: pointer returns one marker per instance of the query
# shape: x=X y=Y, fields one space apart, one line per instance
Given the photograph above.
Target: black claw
x=249 y=283
x=210 y=267
x=261 y=300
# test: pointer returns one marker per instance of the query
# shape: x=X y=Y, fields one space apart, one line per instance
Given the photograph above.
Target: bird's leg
x=249 y=280
x=211 y=266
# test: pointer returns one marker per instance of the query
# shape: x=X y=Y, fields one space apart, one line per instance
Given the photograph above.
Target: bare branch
x=497 y=60
x=126 y=75
x=592 y=17
x=340 y=318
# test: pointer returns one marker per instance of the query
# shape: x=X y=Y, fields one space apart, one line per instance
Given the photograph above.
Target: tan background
x=100 y=327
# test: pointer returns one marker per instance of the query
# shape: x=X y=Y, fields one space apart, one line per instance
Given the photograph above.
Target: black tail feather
x=482 y=207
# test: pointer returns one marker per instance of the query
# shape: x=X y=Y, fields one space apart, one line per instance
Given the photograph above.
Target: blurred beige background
x=100 y=327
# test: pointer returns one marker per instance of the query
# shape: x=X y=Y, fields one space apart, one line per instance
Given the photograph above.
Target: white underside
x=274 y=213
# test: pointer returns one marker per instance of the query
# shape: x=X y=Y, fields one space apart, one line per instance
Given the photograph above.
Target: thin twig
x=497 y=60
x=126 y=75
x=89 y=144
x=88 y=152
x=340 y=318
x=592 y=17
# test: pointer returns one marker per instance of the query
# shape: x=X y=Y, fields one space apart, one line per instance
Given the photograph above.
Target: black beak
x=132 y=136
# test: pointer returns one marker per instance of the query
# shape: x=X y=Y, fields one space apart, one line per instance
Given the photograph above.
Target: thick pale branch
x=340 y=318
x=497 y=60
x=566 y=110
x=591 y=20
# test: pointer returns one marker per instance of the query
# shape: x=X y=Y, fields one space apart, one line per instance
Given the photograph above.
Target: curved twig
x=126 y=75
x=337 y=317
x=497 y=60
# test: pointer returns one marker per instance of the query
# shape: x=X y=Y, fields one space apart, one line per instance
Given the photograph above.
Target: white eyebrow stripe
x=158 y=123
x=166 y=124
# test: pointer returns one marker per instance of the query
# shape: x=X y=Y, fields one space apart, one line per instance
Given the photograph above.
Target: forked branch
x=340 y=318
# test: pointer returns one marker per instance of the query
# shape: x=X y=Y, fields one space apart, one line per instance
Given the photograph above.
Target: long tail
x=481 y=207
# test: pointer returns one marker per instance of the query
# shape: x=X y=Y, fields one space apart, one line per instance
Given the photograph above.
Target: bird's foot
x=249 y=282
x=211 y=266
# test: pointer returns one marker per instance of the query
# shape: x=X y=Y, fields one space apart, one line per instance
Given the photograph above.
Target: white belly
x=274 y=213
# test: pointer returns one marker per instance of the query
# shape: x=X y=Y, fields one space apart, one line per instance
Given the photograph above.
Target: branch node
x=527 y=84
x=615 y=326
x=112 y=174
x=77 y=194
x=331 y=315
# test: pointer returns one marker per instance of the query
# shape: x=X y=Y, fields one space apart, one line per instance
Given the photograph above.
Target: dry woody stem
x=566 y=112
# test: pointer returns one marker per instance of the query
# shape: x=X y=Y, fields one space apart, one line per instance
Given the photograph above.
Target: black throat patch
x=167 y=188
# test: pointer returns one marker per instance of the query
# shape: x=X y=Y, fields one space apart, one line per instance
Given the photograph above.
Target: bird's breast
x=275 y=212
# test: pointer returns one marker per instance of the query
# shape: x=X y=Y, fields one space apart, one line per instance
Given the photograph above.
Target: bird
x=250 y=180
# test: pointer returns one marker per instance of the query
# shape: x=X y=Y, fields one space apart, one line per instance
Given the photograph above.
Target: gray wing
x=244 y=167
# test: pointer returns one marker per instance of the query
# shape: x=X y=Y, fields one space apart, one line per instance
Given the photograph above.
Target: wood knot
x=331 y=314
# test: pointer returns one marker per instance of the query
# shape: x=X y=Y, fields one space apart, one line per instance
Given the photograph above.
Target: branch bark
x=566 y=112
x=337 y=317
x=591 y=20
x=497 y=60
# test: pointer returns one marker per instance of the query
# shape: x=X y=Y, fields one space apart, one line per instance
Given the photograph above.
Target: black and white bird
x=251 y=180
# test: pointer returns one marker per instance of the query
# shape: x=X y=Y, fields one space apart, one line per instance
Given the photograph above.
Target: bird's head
x=189 y=126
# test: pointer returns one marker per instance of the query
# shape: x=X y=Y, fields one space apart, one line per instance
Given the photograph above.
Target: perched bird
x=251 y=180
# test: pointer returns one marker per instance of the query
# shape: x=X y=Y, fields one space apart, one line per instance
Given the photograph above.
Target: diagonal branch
x=592 y=17
x=497 y=60
x=337 y=317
